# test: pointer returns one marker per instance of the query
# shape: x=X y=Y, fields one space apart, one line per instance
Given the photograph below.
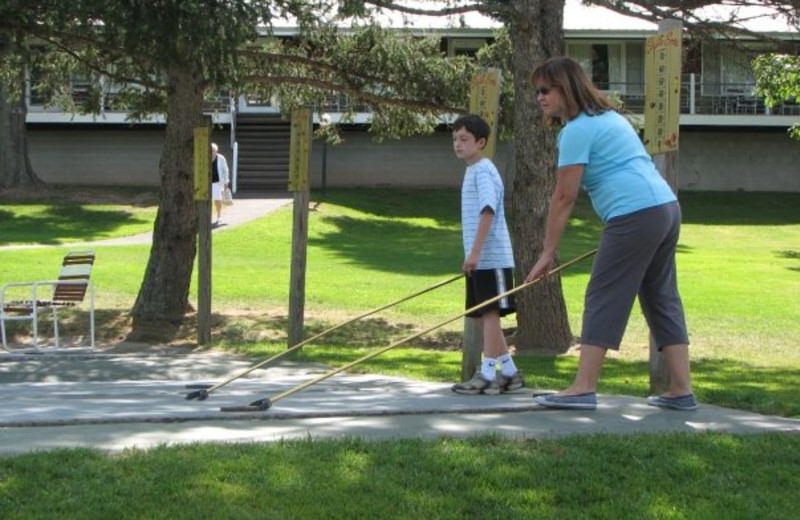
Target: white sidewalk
x=112 y=402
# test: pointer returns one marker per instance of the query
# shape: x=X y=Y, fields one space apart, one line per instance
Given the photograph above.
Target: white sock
x=489 y=368
x=507 y=366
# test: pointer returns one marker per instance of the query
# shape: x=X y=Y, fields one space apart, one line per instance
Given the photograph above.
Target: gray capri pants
x=636 y=256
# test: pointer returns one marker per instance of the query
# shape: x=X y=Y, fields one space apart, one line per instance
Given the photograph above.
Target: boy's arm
x=484 y=225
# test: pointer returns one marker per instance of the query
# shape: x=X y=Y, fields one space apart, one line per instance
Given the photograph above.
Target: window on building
x=465 y=46
x=727 y=70
x=600 y=65
x=612 y=66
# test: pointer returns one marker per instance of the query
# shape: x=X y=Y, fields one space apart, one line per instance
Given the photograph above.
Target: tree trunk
x=537 y=34
x=15 y=167
x=163 y=298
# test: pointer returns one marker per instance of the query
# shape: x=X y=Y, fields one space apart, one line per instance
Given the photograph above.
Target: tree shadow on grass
x=766 y=390
x=441 y=205
x=393 y=246
x=740 y=208
x=363 y=333
x=73 y=330
x=789 y=255
x=63 y=223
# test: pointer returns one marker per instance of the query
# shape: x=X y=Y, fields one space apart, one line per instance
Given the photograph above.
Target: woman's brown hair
x=578 y=91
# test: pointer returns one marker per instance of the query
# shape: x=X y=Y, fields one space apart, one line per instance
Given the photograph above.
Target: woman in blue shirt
x=600 y=151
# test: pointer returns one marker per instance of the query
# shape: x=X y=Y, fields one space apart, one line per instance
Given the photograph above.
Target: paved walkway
x=82 y=398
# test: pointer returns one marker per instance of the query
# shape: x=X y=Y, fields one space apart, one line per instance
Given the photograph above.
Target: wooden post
x=300 y=151
x=484 y=100
x=662 y=122
x=202 y=188
x=297 y=288
x=472 y=348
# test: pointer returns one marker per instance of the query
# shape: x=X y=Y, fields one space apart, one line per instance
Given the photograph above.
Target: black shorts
x=485 y=284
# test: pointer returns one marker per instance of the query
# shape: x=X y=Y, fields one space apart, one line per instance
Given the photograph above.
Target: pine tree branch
x=487 y=8
x=371 y=98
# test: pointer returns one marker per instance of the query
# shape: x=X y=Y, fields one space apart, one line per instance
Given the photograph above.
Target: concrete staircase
x=263 y=151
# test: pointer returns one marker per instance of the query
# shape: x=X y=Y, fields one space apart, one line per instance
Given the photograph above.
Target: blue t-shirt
x=483 y=187
x=618 y=172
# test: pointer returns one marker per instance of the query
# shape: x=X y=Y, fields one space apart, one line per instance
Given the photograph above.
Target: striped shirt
x=483 y=188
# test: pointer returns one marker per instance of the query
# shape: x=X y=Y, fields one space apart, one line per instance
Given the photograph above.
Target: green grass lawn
x=739 y=274
x=686 y=476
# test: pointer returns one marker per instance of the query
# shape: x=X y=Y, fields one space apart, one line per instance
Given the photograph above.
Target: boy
x=489 y=261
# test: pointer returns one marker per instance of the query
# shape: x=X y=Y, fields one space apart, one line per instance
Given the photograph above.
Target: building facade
x=729 y=139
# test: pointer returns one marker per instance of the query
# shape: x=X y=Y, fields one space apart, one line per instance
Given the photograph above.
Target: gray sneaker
x=477 y=385
x=684 y=402
x=587 y=401
x=510 y=383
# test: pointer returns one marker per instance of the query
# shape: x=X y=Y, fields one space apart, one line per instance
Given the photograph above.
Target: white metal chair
x=21 y=300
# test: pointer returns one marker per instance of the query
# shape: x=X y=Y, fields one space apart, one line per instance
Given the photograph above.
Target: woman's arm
x=568 y=182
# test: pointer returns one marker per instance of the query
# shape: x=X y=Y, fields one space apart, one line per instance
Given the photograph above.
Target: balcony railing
x=221 y=102
x=697 y=98
x=712 y=99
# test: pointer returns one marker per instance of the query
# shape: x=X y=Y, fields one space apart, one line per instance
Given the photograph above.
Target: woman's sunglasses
x=542 y=90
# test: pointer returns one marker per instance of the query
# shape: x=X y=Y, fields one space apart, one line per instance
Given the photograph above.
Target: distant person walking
x=599 y=150
x=220 y=179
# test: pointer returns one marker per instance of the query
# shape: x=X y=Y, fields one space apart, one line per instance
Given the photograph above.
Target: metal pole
x=324 y=166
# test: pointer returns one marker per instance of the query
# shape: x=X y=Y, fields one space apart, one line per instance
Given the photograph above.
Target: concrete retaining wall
x=710 y=158
x=748 y=160
x=101 y=155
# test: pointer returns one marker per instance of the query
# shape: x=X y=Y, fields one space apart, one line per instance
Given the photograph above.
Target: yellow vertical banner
x=662 y=91
x=299 y=149
x=202 y=162
x=484 y=100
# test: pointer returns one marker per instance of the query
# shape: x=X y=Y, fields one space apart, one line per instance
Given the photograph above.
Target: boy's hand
x=470 y=264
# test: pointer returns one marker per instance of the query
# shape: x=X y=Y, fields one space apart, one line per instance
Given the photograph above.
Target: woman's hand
x=540 y=269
